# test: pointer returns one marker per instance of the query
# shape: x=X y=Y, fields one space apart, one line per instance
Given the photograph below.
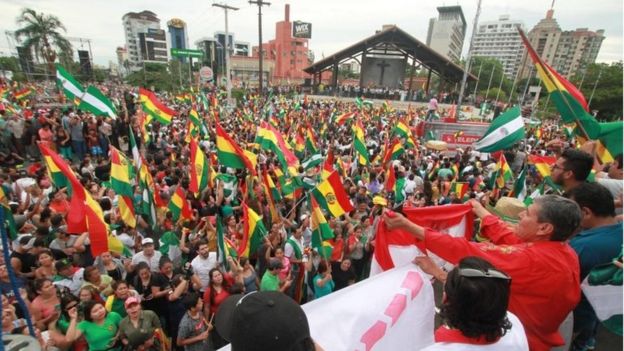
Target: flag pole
x=552 y=80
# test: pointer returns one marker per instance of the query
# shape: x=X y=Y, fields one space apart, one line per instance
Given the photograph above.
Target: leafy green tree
x=12 y=64
x=153 y=75
x=607 y=97
x=41 y=33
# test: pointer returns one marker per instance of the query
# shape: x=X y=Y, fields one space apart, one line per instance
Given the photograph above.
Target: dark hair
x=190 y=300
x=141 y=266
x=66 y=299
x=39 y=283
x=116 y=283
x=564 y=214
x=322 y=267
x=595 y=197
x=579 y=162
x=88 y=271
x=618 y=159
x=225 y=285
x=476 y=306
x=163 y=261
x=87 y=307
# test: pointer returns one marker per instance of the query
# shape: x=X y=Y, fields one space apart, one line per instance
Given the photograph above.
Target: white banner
x=390 y=311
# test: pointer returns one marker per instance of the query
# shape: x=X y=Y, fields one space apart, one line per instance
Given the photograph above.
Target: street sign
x=186 y=53
x=206 y=74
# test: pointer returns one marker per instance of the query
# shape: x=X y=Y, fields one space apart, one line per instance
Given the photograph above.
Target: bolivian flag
x=359 y=144
x=542 y=164
x=179 y=206
x=86 y=214
x=310 y=141
x=321 y=232
x=402 y=130
x=272 y=195
x=154 y=107
x=569 y=101
x=460 y=189
x=328 y=165
x=343 y=118
x=504 y=173
x=331 y=195
x=121 y=171
x=199 y=168
x=253 y=232
x=232 y=155
x=22 y=94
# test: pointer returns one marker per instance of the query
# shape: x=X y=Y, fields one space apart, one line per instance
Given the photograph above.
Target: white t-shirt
x=514 y=340
x=202 y=266
x=152 y=262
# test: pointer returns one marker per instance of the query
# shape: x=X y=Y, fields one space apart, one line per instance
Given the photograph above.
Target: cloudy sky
x=335 y=23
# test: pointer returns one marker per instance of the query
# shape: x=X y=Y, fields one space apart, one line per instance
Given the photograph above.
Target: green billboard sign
x=186 y=53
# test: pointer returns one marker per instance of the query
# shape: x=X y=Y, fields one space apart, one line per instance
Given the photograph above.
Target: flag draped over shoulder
x=71 y=88
x=331 y=195
x=199 y=168
x=121 y=182
x=395 y=248
x=321 y=231
x=154 y=107
x=506 y=130
x=569 y=101
x=232 y=155
x=253 y=232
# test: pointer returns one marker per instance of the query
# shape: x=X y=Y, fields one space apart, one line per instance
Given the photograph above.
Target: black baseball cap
x=265 y=320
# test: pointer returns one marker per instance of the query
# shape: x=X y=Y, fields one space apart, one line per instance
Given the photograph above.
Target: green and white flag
x=230 y=185
x=312 y=161
x=70 y=86
x=539 y=191
x=520 y=190
x=97 y=103
x=506 y=130
x=169 y=245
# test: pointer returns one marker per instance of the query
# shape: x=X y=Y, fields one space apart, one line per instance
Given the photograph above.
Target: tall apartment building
x=500 y=40
x=447 y=32
x=145 y=41
x=566 y=51
x=177 y=37
x=291 y=54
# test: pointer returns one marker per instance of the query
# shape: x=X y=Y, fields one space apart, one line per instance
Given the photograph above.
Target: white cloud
x=335 y=23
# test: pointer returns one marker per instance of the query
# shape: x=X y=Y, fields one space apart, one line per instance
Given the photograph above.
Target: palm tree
x=41 y=34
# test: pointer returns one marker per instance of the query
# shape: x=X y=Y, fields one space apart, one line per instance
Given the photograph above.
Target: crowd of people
x=148 y=298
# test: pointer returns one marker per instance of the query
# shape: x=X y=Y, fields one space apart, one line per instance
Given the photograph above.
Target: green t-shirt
x=118 y=306
x=99 y=337
x=270 y=282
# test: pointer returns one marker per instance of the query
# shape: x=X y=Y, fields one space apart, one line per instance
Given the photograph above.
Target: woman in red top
x=216 y=292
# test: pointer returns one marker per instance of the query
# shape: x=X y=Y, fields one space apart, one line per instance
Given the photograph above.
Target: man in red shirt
x=545 y=285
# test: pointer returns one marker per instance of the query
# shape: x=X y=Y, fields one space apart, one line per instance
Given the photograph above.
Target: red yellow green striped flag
x=310 y=141
x=460 y=189
x=401 y=129
x=253 y=232
x=343 y=118
x=272 y=195
x=359 y=143
x=22 y=94
x=199 y=168
x=569 y=101
x=321 y=231
x=504 y=173
x=179 y=206
x=328 y=165
x=232 y=155
x=331 y=195
x=154 y=107
x=542 y=164
x=120 y=176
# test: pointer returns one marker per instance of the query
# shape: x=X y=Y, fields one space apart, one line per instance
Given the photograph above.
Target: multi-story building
x=447 y=32
x=145 y=41
x=291 y=55
x=177 y=36
x=500 y=40
x=566 y=51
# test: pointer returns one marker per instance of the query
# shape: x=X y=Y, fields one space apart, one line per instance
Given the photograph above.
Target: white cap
x=147 y=241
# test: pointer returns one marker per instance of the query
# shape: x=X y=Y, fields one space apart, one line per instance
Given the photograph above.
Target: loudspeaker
x=85 y=63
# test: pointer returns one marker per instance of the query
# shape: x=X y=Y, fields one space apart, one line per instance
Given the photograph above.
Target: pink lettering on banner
x=462 y=139
x=413 y=282
x=373 y=334
x=396 y=307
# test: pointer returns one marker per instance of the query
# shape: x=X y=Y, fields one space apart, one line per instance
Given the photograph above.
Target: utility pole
x=227 y=48
x=260 y=3
x=475 y=24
